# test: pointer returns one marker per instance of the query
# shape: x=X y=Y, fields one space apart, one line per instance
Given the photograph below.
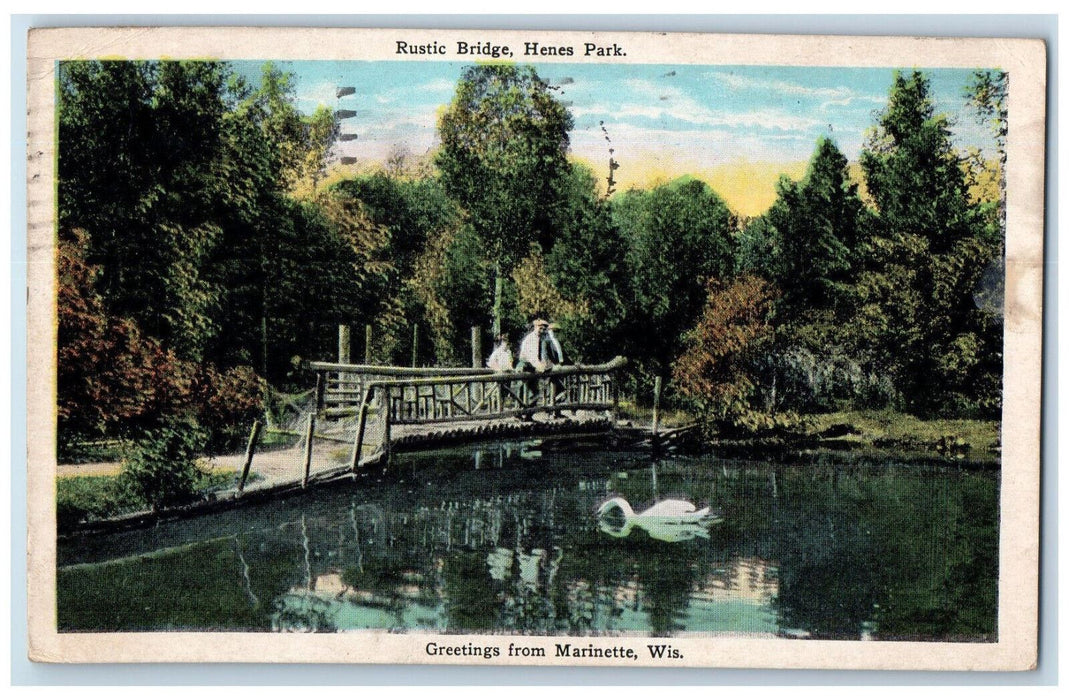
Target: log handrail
x=485 y=396
x=491 y=376
x=340 y=387
x=390 y=370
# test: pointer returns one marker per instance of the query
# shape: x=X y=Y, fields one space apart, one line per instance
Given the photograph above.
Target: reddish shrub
x=110 y=376
x=228 y=402
x=712 y=372
x=115 y=381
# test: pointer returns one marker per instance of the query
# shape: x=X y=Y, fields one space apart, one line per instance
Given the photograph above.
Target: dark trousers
x=531 y=384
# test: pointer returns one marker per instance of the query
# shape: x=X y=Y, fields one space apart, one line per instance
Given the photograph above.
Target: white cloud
x=739 y=82
x=773 y=119
x=689 y=112
x=433 y=93
x=675 y=103
x=439 y=85
x=701 y=147
x=851 y=99
x=311 y=96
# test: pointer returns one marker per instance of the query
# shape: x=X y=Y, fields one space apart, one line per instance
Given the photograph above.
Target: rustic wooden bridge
x=362 y=413
x=400 y=405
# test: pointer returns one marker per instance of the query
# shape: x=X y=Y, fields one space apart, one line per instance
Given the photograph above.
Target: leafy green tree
x=412 y=211
x=140 y=155
x=537 y=294
x=987 y=95
x=465 y=286
x=503 y=156
x=301 y=143
x=588 y=266
x=926 y=261
x=679 y=236
x=274 y=252
x=176 y=174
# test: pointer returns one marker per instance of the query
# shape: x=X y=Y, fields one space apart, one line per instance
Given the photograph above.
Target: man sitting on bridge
x=539 y=352
x=539 y=349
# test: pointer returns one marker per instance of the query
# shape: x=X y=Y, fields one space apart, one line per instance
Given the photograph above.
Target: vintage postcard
x=534 y=348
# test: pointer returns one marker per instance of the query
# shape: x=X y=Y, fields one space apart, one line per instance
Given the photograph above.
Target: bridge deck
x=274 y=469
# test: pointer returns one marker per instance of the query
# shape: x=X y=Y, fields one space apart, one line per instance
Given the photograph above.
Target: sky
x=737 y=127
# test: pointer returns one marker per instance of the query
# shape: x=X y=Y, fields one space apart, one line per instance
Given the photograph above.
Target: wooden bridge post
x=496 y=325
x=415 y=343
x=656 y=404
x=358 y=445
x=309 y=437
x=343 y=345
x=386 y=426
x=476 y=347
x=367 y=344
x=615 y=378
x=249 y=452
x=321 y=389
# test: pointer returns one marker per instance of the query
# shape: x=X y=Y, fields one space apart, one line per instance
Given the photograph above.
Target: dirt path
x=66 y=471
x=271 y=465
x=287 y=465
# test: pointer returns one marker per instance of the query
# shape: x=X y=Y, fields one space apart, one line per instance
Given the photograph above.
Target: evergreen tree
x=926 y=260
x=756 y=253
x=805 y=246
x=816 y=222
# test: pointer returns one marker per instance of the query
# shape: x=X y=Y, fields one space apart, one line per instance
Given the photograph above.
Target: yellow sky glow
x=748 y=188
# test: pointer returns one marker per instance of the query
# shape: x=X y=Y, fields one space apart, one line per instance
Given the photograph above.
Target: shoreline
x=829 y=440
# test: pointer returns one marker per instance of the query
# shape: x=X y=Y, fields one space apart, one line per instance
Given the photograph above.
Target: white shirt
x=551 y=350
x=500 y=359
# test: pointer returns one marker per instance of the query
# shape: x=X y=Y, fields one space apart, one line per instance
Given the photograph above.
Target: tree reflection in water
x=829 y=551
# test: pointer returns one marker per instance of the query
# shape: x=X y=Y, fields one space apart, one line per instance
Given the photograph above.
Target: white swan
x=670 y=520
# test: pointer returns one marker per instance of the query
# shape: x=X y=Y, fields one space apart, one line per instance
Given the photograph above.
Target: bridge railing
x=478 y=397
x=340 y=388
x=500 y=395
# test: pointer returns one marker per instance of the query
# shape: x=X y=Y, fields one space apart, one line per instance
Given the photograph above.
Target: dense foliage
x=503 y=158
x=203 y=257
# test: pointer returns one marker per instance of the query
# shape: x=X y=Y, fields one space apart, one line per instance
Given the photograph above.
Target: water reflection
x=827 y=552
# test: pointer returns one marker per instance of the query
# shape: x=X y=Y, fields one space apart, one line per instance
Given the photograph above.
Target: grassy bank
x=891 y=429
x=884 y=431
x=867 y=434
x=81 y=498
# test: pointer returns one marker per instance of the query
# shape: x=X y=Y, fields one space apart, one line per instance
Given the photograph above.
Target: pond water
x=507 y=537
